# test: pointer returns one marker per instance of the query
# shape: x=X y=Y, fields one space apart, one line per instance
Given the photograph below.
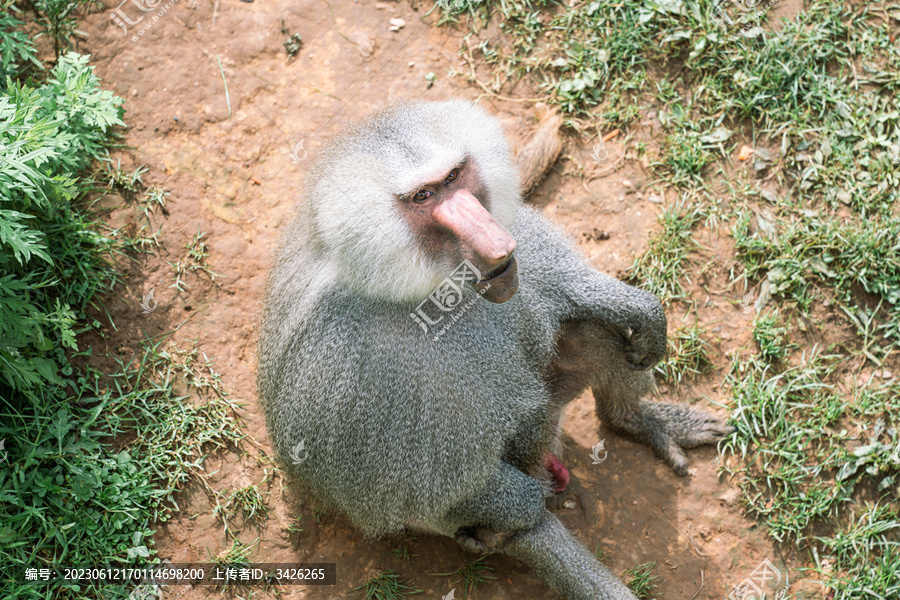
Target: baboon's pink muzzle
x=485 y=242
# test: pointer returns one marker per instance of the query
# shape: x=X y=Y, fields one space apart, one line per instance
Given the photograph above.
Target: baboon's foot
x=670 y=428
x=482 y=540
x=558 y=472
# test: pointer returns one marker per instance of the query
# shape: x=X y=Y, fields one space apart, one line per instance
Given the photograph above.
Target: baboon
x=422 y=330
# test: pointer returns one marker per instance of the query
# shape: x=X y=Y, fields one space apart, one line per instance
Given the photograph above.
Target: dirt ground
x=231 y=174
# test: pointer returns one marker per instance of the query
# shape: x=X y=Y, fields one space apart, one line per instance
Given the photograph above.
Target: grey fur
x=448 y=435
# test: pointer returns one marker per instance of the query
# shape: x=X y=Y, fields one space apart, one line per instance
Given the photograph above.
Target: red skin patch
x=558 y=471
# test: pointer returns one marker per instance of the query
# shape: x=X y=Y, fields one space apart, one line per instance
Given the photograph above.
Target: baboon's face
x=448 y=212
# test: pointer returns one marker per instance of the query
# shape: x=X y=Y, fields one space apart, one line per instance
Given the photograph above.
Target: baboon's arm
x=637 y=316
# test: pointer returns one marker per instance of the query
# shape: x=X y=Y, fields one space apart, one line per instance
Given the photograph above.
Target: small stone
x=885 y=374
x=654 y=199
x=134 y=92
x=627 y=183
x=231 y=192
x=397 y=24
x=730 y=497
x=412 y=63
x=569 y=504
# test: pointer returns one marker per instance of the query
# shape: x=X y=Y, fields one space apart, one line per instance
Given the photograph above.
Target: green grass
x=193 y=262
x=247 y=501
x=688 y=354
x=813 y=218
x=386 y=585
x=661 y=269
x=471 y=575
x=236 y=556
x=641 y=580
x=93 y=457
x=772 y=337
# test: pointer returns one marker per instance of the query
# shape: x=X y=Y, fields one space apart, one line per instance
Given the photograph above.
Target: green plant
x=16 y=50
x=471 y=575
x=661 y=268
x=642 y=580
x=94 y=457
x=247 y=500
x=386 y=585
x=688 y=354
x=771 y=336
x=198 y=252
x=54 y=261
x=57 y=17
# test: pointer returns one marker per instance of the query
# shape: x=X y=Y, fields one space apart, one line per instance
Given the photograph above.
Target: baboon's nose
x=476 y=229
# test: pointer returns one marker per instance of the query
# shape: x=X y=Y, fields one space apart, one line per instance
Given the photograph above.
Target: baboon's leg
x=623 y=404
x=590 y=355
x=508 y=515
x=564 y=564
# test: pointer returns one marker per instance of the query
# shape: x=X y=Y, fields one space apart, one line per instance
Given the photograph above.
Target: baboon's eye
x=422 y=195
x=451 y=176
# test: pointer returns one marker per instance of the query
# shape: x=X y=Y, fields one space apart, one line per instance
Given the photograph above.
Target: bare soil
x=232 y=176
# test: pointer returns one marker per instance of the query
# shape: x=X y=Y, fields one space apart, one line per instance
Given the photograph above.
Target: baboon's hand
x=481 y=540
x=645 y=339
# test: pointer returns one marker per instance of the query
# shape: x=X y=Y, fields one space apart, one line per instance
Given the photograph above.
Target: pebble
x=397 y=24
x=655 y=198
x=729 y=497
x=231 y=193
x=569 y=504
